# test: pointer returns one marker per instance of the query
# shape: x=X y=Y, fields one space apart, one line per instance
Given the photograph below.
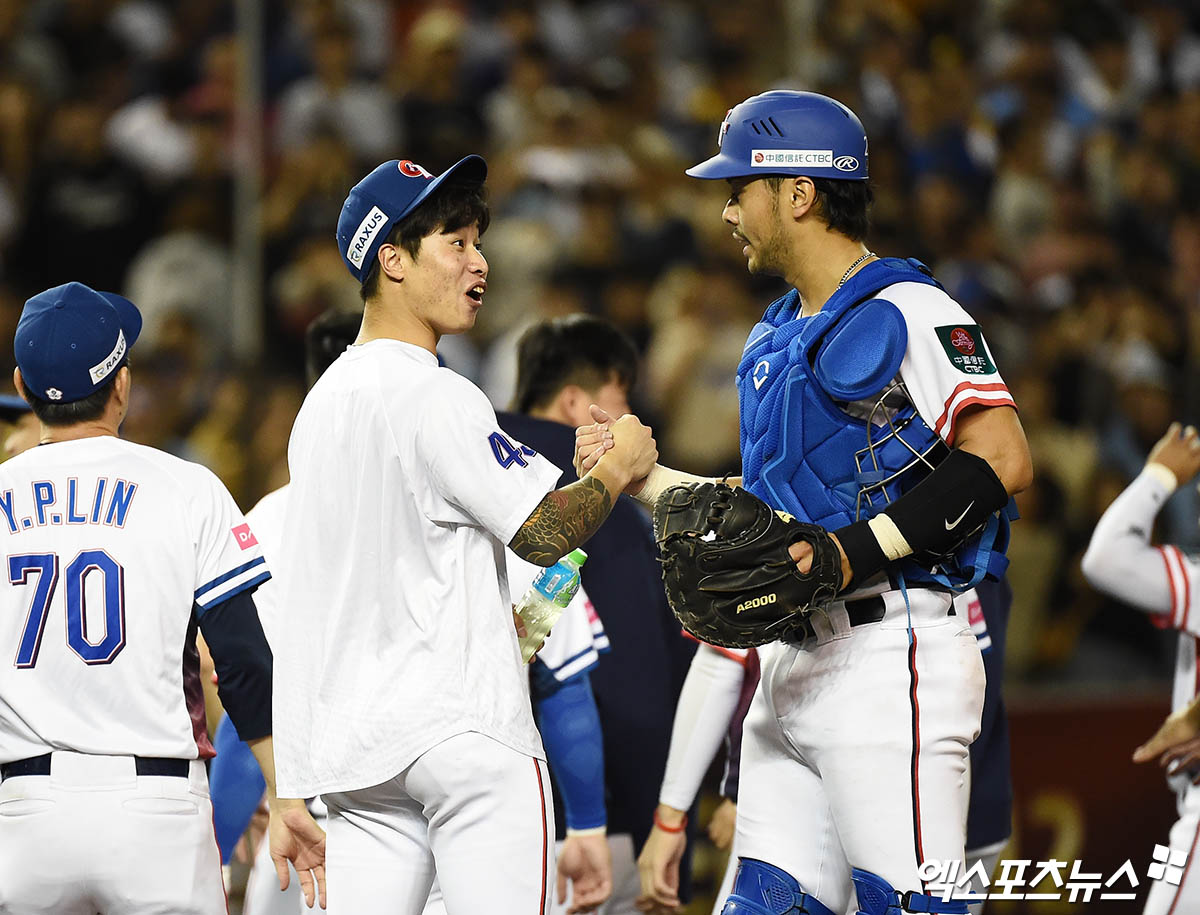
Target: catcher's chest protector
x=798 y=445
x=801 y=451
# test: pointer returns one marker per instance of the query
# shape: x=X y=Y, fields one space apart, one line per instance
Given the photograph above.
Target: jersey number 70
x=45 y=566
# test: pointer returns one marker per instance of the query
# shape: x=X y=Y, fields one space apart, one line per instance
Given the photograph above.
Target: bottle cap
x=579 y=557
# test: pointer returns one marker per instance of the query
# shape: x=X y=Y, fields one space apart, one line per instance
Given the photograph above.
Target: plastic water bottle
x=547 y=597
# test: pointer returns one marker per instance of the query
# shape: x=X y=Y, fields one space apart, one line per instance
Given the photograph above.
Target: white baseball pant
x=480 y=809
x=1165 y=898
x=94 y=836
x=626 y=884
x=855 y=750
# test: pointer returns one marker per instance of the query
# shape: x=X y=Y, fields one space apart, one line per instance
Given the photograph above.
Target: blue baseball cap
x=785 y=132
x=71 y=339
x=383 y=198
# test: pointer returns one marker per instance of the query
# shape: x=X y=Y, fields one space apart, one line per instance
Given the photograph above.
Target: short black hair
x=453 y=206
x=844 y=205
x=326 y=338
x=84 y=410
x=578 y=349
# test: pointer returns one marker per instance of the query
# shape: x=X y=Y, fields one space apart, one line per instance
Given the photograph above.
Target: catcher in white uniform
x=117 y=553
x=400 y=695
x=873 y=416
x=1164 y=582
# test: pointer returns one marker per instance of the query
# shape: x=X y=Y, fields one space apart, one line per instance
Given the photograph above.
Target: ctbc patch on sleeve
x=244 y=536
x=964 y=347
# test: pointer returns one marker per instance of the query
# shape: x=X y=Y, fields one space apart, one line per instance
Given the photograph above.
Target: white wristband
x=1164 y=475
x=891 y=541
x=660 y=479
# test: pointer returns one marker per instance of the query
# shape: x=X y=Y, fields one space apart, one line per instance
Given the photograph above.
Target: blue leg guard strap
x=876 y=897
x=763 y=889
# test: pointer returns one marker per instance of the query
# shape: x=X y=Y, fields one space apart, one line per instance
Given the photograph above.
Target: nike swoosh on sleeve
x=951 y=525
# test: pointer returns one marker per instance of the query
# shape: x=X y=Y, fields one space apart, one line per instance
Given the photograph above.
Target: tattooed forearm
x=562 y=521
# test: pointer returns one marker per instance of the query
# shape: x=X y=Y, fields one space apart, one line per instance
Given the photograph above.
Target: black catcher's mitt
x=726 y=567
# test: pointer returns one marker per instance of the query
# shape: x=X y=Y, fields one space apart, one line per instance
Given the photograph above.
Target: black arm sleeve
x=243 y=661
x=937 y=515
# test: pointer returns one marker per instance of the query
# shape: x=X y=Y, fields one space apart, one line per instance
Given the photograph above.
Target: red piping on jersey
x=1187 y=588
x=545 y=837
x=1187 y=867
x=970 y=401
x=1171 y=585
x=968 y=386
x=916 y=752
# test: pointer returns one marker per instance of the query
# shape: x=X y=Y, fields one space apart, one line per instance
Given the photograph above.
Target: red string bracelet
x=665 y=828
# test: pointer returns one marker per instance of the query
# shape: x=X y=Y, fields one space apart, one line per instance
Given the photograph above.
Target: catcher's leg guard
x=763 y=889
x=876 y=897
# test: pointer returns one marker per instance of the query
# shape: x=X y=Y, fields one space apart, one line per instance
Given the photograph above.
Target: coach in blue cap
x=72 y=349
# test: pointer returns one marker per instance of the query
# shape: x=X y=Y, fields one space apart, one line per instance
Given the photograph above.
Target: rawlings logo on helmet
x=846 y=163
x=412 y=170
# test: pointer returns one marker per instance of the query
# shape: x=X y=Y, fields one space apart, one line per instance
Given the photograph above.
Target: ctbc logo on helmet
x=846 y=163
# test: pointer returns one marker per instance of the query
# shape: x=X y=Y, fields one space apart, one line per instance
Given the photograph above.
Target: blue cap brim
x=471 y=169
x=12 y=407
x=127 y=312
x=719 y=166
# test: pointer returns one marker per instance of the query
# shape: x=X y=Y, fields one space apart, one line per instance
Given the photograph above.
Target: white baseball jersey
x=113 y=549
x=947 y=366
x=400 y=632
x=1164 y=582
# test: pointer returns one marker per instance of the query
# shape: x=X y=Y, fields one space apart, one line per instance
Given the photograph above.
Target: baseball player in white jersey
x=870 y=405
x=568 y=721
x=708 y=708
x=1164 y=582
x=408 y=711
x=117 y=553
x=572 y=648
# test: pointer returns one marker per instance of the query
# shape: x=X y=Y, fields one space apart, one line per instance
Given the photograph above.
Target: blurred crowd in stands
x=1043 y=156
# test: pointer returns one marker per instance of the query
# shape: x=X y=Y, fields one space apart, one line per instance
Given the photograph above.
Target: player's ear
x=802 y=194
x=19 y=384
x=573 y=404
x=391 y=261
x=121 y=386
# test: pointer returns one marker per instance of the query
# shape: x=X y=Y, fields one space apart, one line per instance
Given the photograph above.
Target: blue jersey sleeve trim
x=591 y=649
x=233 y=592
x=232 y=573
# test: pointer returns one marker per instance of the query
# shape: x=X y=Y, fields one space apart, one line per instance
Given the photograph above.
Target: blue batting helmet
x=784 y=132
